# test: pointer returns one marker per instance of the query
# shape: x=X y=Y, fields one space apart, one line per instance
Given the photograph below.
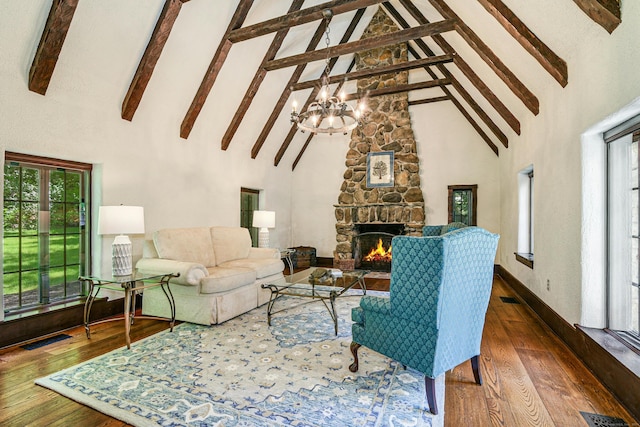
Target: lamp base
x=263 y=238
x=121 y=256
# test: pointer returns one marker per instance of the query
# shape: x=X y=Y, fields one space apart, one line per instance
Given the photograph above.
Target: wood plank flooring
x=530 y=377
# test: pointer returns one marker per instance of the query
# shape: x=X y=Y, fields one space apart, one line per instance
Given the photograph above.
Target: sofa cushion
x=186 y=244
x=230 y=243
x=225 y=279
x=262 y=266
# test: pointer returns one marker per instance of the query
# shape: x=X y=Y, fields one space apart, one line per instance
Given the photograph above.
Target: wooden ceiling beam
x=296 y=18
x=258 y=78
x=606 y=13
x=296 y=76
x=364 y=44
x=551 y=62
x=477 y=127
x=398 y=89
x=50 y=46
x=429 y=100
x=445 y=71
x=484 y=90
x=214 y=68
x=517 y=87
x=150 y=57
x=275 y=113
x=370 y=72
x=302 y=150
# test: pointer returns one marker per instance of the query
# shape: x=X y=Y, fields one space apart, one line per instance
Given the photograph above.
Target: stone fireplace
x=386 y=127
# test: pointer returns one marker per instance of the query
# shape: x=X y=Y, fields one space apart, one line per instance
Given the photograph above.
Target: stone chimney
x=385 y=128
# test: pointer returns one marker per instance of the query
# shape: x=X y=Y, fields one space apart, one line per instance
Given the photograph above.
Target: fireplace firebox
x=372 y=245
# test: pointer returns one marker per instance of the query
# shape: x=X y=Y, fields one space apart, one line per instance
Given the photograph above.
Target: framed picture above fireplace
x=380 y=169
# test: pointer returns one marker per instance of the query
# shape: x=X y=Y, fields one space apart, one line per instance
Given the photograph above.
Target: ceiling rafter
x=391 y=90
x=606 y=13
x=150 y=57
x=258 y=78
x=50 y=46
x=365 y=44
x=517 y=87
x=551 y=62
x=462 y=65
x=214 y=68
x=484 y=90
x=296 y=76
x=429 y=100
x=445 y=71
x=293 y=19
x=370 y=72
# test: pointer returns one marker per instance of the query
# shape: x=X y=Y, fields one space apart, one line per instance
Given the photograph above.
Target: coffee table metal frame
x=131 y=285
x=298 y=285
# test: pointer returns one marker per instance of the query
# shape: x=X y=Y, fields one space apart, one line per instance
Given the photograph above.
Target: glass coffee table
x=327 y=288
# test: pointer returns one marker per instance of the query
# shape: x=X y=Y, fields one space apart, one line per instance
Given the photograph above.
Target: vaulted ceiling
x=432 y=58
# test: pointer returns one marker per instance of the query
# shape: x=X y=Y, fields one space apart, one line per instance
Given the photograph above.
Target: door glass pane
x=45 y=236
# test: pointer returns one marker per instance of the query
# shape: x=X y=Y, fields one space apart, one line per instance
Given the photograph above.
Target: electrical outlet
x=548 y=285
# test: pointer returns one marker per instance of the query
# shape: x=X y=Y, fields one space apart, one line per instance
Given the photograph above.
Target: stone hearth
x=386 y=127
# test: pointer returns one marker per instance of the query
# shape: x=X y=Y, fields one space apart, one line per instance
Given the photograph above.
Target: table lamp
x=264 y=220
x=121 y=220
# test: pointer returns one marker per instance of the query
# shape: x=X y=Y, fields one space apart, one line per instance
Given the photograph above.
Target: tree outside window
x=463 y=202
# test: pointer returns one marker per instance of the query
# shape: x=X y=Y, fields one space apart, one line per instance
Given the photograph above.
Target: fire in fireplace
x=379 y=253
x=372 y=245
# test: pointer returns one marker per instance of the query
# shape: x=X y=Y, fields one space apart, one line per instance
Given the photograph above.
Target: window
x=463 y=204
x=46 y=235
x=623 y=234
x=524 y=253
x=248 y=203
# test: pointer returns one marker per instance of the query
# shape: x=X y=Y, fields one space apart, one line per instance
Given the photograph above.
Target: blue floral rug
x=246 y=373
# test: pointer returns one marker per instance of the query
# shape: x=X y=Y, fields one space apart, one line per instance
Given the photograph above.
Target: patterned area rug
x=245 y=373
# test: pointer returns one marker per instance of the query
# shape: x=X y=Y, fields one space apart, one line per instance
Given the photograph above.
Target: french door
x=46 y=232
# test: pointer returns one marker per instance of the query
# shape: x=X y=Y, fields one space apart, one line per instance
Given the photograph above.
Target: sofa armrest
x=264 y=253
x=190 y=272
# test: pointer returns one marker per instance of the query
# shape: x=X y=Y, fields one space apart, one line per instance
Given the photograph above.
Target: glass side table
x=130 y=285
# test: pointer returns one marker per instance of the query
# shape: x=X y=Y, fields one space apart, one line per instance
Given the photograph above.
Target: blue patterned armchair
x=438 y=230
x=434 y=316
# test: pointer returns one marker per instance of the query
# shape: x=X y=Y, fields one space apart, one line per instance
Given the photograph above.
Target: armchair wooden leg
x=354 y=350
x=475 y=365
x=430 y=388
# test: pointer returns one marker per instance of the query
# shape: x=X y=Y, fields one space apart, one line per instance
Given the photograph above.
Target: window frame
x=46 y=168
x=473 y=190
x=616 y=315
x=526 y=209
x=246 y=213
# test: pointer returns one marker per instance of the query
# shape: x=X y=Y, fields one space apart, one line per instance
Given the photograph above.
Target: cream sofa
x=220 y=273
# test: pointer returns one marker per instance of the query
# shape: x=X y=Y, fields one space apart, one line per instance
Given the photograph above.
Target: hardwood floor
x=530 y=377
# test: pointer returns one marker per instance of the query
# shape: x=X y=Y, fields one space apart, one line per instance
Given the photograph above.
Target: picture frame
x=380 y=169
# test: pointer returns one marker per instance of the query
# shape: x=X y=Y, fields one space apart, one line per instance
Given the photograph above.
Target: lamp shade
x=264 y=219
x=121 y=220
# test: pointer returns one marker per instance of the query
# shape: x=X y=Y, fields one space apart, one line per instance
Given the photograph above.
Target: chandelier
x=328 y=113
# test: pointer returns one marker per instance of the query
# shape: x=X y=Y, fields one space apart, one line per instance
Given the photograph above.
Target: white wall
x=602 y=80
